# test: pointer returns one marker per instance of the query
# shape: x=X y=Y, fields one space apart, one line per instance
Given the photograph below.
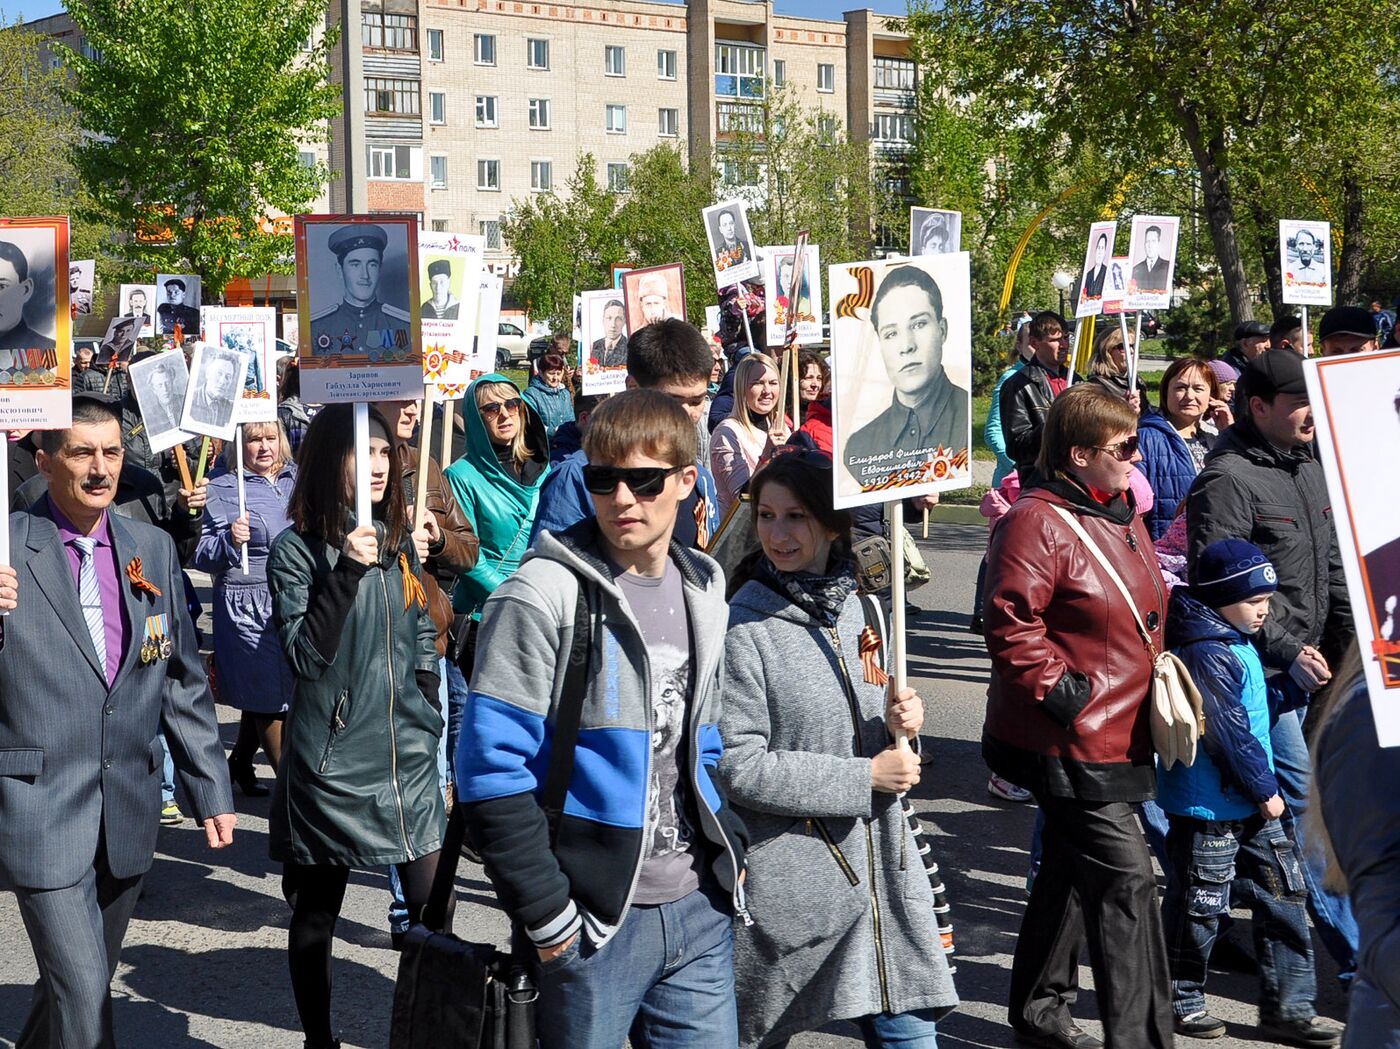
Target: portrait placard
x=139 y=300
x=357 y=289
x=605 y=337
x=179 y=297
x=1152 y=254
x=617 y=272
x=488 y=324
x=777 y=278
x=119 y=343
x=36 y=325
x=251 y=330
x=1356 y=404
x=1116 y=289
x=1094 y=279
x=82 y=280
x=653 y=294
x=901 y=375
x=933 y=231
x=731 y=243
x=211 y=397
x=291 y=327
x=449 y=278
x=1305 y=258
x=159 y=382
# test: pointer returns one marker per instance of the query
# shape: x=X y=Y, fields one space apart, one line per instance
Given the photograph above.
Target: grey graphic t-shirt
x=670 y=867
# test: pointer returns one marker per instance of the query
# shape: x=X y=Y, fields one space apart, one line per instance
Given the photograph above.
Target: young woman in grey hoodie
x=844 y=924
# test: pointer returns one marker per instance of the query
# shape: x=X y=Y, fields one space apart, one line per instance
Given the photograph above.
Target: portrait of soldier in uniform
x=80 y=277
x=731 y=243
x=17 y=290
x=442 y=304
x=360 y=322
x=176 y=309
x=215 y=386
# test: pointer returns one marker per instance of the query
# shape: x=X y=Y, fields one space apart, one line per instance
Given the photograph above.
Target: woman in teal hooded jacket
x=497 y=483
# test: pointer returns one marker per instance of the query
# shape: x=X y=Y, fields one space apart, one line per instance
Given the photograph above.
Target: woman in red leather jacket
x=1067 y=718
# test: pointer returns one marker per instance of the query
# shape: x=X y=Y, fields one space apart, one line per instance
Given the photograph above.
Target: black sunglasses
x=1123 y=450
x=495 y=407
x=642 y=481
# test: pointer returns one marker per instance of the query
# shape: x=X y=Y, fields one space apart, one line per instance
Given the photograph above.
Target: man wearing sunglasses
x=673 y=358
x=628 y=900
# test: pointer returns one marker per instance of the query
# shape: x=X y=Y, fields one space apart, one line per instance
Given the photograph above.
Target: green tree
x=36 y=129
x=194 y=117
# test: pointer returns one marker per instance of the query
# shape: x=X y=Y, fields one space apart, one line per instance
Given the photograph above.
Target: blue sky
x=832 y=9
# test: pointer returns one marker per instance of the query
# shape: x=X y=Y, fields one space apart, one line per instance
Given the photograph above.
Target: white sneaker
x=1006 y=790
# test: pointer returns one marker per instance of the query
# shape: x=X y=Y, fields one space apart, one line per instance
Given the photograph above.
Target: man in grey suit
x=96 y=655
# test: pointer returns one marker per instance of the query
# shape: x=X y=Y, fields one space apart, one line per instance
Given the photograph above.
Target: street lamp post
x=1063 y=281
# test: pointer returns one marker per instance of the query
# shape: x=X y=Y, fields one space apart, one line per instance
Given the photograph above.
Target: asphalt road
x=204 y=963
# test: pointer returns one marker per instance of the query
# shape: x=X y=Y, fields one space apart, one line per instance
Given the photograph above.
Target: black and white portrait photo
x=731 y=243
x=779 y=263
x=1306 y=261
x=159 y=382
x=212 y=396
x=119 y=342
x=357 y=289
x=1355 y=400
x=81 y=277
x=605 y=335
x=901 y=366
x=933 y=231
x=139 y=301
x=1152 y=254
x=28 y=311
x=1098 y=257
x=178 y=303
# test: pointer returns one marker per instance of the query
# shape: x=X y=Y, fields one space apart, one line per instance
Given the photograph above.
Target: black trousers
x=1095 y=889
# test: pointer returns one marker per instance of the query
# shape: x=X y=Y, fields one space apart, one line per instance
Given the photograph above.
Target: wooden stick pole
x=425 y=452
x=448 y=410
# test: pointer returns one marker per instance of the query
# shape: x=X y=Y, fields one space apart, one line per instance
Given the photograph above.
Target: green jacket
x=358 y=782
x=501 y=509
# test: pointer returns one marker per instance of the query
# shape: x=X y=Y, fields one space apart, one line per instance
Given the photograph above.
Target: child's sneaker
x=1200 y=1025
x=1006 y=790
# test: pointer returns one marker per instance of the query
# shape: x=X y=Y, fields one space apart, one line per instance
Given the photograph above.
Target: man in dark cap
x=1286 y=333
x=1262 y=483
x=359 y=323
x=174 y=310
x=16 y=289
x=443 y=304
x=1346 y=329
x=1251 y=339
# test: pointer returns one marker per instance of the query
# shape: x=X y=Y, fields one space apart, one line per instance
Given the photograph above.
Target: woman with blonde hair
x=753 y=430
x=1108 y=367
x=250 y=666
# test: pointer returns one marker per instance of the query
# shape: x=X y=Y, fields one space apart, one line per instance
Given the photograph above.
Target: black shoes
x=246 y=779
x=1070 y=1038
x=1200 y=1025
x=1309 y=1032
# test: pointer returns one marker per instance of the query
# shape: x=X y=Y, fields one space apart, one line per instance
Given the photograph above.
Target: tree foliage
x=194 y=117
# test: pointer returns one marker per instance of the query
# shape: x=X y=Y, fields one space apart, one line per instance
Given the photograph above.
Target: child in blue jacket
x=1224 y=809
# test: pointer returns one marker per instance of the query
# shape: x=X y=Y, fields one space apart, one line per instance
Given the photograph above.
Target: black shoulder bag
x=451 y=994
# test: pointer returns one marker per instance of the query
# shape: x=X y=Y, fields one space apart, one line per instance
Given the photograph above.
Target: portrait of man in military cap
x=441 y=304
x=179 y=304
x=366 y=317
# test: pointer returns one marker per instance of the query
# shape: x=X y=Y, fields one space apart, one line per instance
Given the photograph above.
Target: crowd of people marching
x=686 y=787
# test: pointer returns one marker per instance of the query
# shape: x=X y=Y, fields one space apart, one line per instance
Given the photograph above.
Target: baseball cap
x=1347 y=320
x=1275 y=371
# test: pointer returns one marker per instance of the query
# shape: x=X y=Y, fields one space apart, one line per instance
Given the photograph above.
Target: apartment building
x=455 y=109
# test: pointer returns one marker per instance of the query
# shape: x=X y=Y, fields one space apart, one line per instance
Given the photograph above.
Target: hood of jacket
x=1190 y=621
x=1244 y=439
x=543 y=389
x=481 y=453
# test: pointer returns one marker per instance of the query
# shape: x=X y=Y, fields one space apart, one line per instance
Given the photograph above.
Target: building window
x=437 y=107
x=779 y=72
x=434 y=45
x=617 y=178
x=539 y=114
x=617 y=120
x=614 y=61
x=437 y=172
x=668 y=122
x=894 y=74
x=826 y=77
x=826 y=127
x=439 y=225
x=384 y=95
x=894 y=127
x=390 y=32
x=541 y=176
x=666 y=65
x=391 y=162
x=307 y=160
x=488 y=174
x=739 y=71
x=486 y=111
x=484 y=49
x=739 y=116
x=537 y=54
x=490 y=230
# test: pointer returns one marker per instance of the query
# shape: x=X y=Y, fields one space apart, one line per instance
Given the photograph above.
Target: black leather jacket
x=1025 y=401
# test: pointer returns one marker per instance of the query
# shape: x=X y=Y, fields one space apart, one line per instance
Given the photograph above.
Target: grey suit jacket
x=75 y=759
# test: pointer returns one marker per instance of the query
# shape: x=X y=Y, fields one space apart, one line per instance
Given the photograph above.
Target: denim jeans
x=456 y=706
x=665 y=980
x=1331 y=913
x=167 y=775
x=1206 y=857
x=915 y=1030
x=398 y=910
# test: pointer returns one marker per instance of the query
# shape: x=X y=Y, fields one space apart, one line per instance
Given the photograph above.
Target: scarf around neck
x=820 y=596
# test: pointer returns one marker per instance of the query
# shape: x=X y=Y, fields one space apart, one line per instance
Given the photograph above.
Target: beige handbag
x=1176 y=715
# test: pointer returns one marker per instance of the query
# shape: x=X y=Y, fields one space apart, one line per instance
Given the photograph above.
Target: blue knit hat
x=1231 y=570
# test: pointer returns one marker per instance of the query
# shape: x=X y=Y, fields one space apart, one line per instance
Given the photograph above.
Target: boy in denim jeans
x=1224 y=810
